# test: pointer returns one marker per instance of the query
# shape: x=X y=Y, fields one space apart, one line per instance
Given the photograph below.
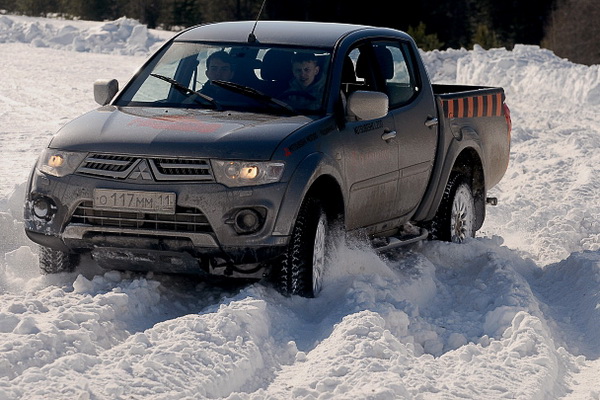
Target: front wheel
x=455 y=218
x=56 y=261
x=303 y=263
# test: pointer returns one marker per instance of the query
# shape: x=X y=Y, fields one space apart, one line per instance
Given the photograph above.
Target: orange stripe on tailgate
x=499 y=105
x=450 y=108
x=490 y=105
x=470 y=107
x=480 y=106
x=461 y=108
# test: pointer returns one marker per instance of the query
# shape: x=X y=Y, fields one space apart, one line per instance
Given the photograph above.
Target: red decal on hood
x=176 y=123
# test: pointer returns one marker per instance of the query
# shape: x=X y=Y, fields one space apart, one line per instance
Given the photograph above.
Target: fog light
x=247 y=221
x=43 y=208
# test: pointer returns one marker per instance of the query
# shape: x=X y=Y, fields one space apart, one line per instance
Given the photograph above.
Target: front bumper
x=202 y=228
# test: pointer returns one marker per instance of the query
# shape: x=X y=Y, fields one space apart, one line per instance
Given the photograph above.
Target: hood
x=177 y=132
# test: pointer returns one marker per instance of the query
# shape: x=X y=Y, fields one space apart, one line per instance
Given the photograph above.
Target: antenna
x=252 y=36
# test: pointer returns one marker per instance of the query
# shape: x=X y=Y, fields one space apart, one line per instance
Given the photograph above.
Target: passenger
x=306 y=88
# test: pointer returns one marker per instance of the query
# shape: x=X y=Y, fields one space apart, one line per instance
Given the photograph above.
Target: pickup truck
x=240 y=147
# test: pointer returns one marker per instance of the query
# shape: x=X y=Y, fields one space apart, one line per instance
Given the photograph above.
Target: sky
x=513 y=313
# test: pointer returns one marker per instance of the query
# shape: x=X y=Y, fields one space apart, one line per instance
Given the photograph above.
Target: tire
x=303 y=263
x=56 y=261
x=455 y=218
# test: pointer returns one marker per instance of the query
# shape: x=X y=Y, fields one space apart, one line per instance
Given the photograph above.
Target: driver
x=306 y=88
x=219 y=67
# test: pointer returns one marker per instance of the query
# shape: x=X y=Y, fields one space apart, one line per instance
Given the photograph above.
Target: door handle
x=388 y=135
x=430 y=122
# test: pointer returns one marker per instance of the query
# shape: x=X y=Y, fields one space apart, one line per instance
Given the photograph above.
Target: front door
x=370 y=161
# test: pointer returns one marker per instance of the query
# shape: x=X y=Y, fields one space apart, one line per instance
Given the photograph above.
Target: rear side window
x=385 y=66
x=397 y=68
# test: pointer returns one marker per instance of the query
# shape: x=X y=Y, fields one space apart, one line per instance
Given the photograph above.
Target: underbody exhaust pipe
x=492 y=201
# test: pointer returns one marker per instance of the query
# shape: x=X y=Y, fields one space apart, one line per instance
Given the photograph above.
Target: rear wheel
x=56 y=261
x=455 y=218
x=303 y=263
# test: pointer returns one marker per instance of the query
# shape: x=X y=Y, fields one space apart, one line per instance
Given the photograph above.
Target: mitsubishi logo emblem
x=141 y=171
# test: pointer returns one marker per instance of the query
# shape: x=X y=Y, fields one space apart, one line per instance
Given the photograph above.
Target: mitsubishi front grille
x=118 y=167
x=121 y=167
x=166 y=169
x=185 y=220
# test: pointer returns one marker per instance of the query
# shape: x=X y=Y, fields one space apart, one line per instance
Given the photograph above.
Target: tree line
x=565 y=26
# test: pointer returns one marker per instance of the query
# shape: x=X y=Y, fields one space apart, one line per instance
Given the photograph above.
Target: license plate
x=128 y=200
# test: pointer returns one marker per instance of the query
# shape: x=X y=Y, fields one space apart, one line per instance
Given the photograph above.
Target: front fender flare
x=306 y=173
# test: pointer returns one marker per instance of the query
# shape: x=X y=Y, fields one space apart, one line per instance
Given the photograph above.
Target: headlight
x=246 y=173
x=60 y=163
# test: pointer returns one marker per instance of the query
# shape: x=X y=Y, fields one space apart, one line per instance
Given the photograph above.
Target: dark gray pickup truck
x=238 y=147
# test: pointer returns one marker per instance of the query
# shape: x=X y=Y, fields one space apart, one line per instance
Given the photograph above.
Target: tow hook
x=492 y=201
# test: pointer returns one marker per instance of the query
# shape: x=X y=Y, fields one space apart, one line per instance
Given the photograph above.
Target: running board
x=394 y=242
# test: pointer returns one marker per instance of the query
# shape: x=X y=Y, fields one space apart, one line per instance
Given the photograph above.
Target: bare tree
x=573 y=31
x=229 y=10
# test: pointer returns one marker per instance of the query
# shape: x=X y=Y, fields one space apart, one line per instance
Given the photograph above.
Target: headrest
x=384 y=60
x=276 y=65
x=348 y=75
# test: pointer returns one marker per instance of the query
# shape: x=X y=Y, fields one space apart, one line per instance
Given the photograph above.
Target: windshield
x=252 y=78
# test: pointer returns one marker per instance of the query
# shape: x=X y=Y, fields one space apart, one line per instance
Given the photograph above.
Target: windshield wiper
x=253 y=93
x=187 y=91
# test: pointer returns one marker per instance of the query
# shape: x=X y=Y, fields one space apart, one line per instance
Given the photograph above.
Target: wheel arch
x=467 y=162
x=327 y=189
x=316 y=176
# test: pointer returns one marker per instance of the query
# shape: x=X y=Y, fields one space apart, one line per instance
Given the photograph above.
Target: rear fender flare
x=456 y=151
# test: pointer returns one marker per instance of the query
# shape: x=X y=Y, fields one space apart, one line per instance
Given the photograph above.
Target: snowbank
x=525 y=70
x=123 y=36
x=445 y=321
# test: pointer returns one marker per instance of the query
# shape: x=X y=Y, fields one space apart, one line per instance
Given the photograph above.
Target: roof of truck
x=310 y=34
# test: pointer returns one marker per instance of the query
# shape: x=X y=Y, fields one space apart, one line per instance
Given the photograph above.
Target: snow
x=513 y=313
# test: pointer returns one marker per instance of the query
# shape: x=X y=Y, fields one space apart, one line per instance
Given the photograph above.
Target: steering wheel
x=297 y=93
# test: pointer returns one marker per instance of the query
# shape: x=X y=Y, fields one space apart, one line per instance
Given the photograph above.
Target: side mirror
x=364 y=105
x=105 y=90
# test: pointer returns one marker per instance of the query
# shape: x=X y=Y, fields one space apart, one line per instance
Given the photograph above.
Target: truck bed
x=463 y=101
